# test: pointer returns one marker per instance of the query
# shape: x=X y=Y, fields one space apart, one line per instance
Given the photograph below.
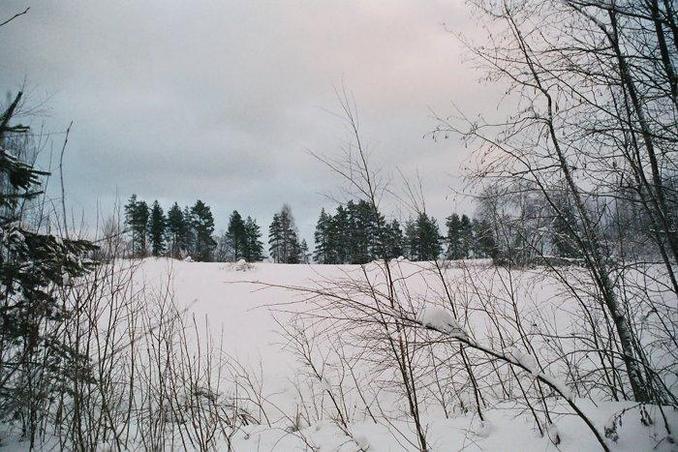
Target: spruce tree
x=237 y=237
x=484 y=239
x=291 y=246
x=136 y=217
x=176 y=229
x=339 y=236
x=564 y=226
x=34 y=269
x=305 y=256
x=203 y=227
x=156 y=229
x=393 y=240
x=322 y=251
x=466 y=235
x=254 y=248
x=362 y=233
x=454 y=237
x=188 y=240
x=275 y=239
x=282 y=237
x=426 y=242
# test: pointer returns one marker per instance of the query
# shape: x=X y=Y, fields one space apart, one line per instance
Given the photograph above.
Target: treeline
x=357 y=233
x=180 y=233
x=189 y=232
x=511 y=227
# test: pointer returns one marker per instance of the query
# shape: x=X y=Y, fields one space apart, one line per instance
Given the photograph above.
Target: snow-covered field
x=244 y=313
x=309 y=380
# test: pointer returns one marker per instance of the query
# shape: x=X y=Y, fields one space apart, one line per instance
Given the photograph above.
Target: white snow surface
x=242 y=314
x=440 y=319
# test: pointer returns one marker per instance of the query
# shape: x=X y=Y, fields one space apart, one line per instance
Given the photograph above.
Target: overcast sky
x=221 y=101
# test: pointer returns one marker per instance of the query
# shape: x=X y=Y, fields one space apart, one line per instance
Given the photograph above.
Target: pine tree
x=156 y=229
x=322 y=252
x=410 y=241
x=454 y=237
x=291 y=245
x=305 y=256
x=485 y=243
x=393 y=241
x=136 y=217
x=378 y=237
x=295 y=251
x=176 y=228
x=339 y=237
x=237 y=237
x=466 y=229
x=564 y=226
x=424 y=239
x=275 y=239
x=203 y=226
x=254 y=248
x=188 y=240
x=363 y=233
x=282 y=237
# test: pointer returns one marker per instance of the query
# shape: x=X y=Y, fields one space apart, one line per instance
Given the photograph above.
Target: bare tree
x=595 y=87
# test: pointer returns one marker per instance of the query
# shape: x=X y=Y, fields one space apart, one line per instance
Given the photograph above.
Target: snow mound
x=441 y=320
x=188 y=259
x=242 y=266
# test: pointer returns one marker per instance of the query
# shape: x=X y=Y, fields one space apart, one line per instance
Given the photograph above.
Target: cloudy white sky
x=222 y=100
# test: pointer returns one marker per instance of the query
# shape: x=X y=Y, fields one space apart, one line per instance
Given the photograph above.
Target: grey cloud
x=221 y=100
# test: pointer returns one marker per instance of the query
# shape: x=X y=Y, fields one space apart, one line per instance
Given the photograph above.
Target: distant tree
x=365 y=233
x=156 y=229
x=454 y=233
x=356 y=234
x=424 y=238
x=564 y=226
x=410 y=240
x=188 y=240
x=339 y=236
x=136 y=218
x=202 y=223
x=323 y=252
x=282 y=237
x=304 y=254
x=223 y=251
x=459 y=236
x=176 y=229
x=484 y=243
x=254 y=248
x=237 y=236
x=393 y=240
x=275 y=239
x=466 y=236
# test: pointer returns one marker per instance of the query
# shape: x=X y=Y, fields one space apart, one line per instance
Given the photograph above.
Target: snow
x=241 y=313
x=440 y=319
x=242 y=266
x=526 y=360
